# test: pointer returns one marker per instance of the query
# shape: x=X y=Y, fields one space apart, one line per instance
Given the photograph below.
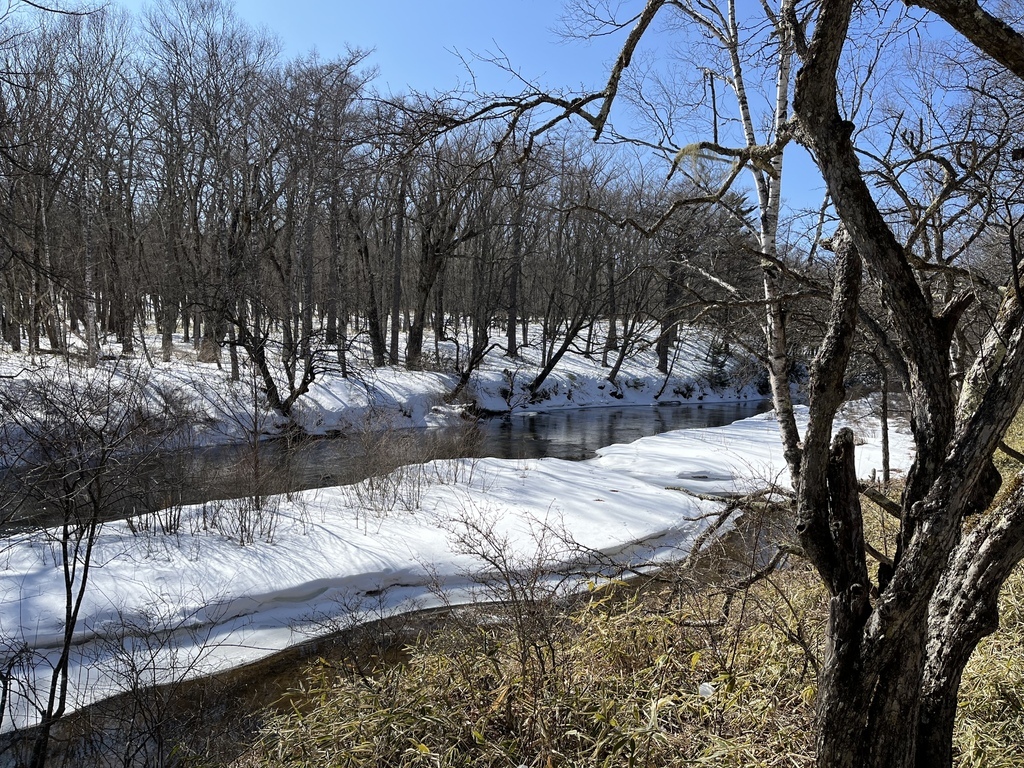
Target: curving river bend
x=286 y=465
x=219 y=709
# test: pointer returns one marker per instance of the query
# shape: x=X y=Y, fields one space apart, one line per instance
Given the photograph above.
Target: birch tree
x=730 y=55
x=896 y=646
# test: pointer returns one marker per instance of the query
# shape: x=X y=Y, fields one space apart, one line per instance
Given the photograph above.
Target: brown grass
x=651 y=676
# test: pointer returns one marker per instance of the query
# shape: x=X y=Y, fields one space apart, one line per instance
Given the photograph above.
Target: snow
x=230 y=412
x=232 y=582
x=236 y=583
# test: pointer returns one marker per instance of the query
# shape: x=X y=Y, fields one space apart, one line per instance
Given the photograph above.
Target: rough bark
x=815 y=518
x=887 y=695
x=964 y=610
x=828 y=136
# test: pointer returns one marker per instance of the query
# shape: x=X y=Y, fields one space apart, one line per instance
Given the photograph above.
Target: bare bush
x=398 y=477
x=78 y=438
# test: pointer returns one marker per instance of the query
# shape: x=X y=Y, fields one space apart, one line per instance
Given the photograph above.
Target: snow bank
x=170 y=606
x=223 y=411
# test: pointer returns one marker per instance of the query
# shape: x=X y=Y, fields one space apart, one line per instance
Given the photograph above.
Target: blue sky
x=414 y=41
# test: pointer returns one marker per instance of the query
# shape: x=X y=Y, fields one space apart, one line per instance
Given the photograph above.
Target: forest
x=171 y=181
x=176 y=170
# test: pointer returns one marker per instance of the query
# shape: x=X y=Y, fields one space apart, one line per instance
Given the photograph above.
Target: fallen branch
x=1011 y=452
x=883 y=559
x=875 y=496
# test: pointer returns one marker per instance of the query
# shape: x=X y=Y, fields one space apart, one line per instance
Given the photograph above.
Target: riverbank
x=234 y=582
x=218 y=411
x=218 y=719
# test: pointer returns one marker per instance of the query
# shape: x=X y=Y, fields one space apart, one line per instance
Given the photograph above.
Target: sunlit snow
x=197 y=601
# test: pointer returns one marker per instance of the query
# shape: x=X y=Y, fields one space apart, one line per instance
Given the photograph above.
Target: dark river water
x=281 y=466
x=570 y=434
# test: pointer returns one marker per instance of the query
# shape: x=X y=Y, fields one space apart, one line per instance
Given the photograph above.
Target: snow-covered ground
x=161 y=606
x=226 y=411
x=186 y=591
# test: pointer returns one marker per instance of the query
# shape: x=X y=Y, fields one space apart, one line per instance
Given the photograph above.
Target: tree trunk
x=670 y=313
x=396 y=276
x=209 y=349
x=516 y=268
x=887 y=692
x=431 y=262
x=168 y=322
x=92 y=344
x=571 y=333
x=378 y=346
x=884 y=426
x=611 y=342
x=308 y=301
x=333 y=270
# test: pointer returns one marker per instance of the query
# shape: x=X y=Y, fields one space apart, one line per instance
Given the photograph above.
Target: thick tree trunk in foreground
x=887 y=693
x=896 y=650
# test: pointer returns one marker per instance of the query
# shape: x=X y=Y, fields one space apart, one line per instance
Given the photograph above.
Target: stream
x=215 y=714
x=287 y=465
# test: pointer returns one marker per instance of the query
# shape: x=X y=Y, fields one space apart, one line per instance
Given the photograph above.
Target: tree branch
x=622 y=62
x=879 y=499
x=989 y=33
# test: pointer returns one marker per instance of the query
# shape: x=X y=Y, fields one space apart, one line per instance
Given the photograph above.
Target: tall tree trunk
x=333 y=269
x=92 y=345
x=431 y=262
x=611 y=342
x=396 y=275
x=376 y=332
x=56 y=336
x=670 y=312
x=306 y=341
x=516 y=267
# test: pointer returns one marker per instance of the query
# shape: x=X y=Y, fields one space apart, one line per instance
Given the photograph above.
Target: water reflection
x=282 y=466
x=577 y=434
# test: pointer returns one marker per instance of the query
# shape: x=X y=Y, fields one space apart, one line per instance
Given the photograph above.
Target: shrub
x=627 y=679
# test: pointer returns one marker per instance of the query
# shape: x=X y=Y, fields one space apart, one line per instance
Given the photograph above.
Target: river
x=286 y=465
x=216 y=713
x=570 y=434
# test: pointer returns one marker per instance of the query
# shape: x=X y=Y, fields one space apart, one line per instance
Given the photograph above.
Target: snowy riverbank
x=234 y=582
x=223 y=411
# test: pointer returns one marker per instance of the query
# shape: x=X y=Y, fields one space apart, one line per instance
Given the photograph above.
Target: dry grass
x=656 y=676
x=626 y=682
x=990 y=718
x=648 y=677
x=623 y=686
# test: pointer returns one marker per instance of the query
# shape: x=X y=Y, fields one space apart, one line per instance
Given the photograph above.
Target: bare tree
x=76 y=438
x=896 y=649
x=888 y=690
x=442 y=194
